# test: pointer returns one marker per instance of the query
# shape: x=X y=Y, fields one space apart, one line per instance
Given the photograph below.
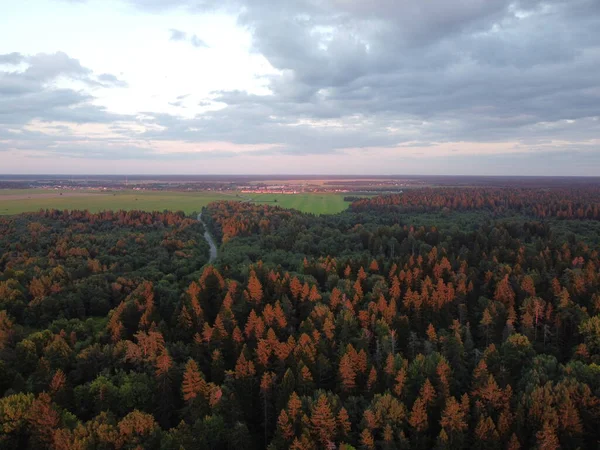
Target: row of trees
x=569 y=203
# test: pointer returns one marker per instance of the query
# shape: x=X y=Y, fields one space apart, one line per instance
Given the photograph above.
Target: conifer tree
x=322 y=421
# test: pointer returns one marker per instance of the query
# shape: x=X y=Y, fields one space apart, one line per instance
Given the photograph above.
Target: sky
x=381 y=87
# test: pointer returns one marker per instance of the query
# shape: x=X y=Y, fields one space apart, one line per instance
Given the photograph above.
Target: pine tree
x=358 y=289
x=43 y=418
x=428 y=393
x=418 y=416
x=305 y=374
x=163 y=364
x=443 y=372
x=280 y=316
x=255 y=288
x=58 y=381
x=263 y=352
x=207 y=333
x=431 y=334
x=294 y=406
x=546 y=438
x=343 y=421
x=347 y=272
x=284 y=426
x=400 y=380
x=295 y=288
x=569 y=416
x=193 y=384
x=335 y=299
x=513 y=443
x=305 y=291
x=362 y=275
x=388 y=434
x=504 y=293
x=374 y=266
x=454 y=422
x=395 y=290
x=485 y=433
x=314 y=295
x=389 y=368
x=366 y=439
x=244 y=368
x=347 y=373
x=322 y=421
x=193 y=292
x=528 y=286
x=237 y=336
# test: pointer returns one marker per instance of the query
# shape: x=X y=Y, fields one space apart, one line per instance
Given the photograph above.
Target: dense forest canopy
x=436 y=318
x=582 y=203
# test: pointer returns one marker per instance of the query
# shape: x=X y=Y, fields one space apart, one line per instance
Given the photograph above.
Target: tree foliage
x=470 y=320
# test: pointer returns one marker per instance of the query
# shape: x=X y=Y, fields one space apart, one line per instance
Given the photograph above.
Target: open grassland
x=147 y=201
x=317 y=203
x=27 y=200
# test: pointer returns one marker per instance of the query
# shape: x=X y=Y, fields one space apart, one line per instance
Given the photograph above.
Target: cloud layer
x=475 y=80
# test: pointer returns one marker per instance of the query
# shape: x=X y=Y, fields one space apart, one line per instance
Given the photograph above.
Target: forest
x=446 y=318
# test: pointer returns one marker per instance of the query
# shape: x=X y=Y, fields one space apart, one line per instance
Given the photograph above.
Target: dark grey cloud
x=395 y=73
x=31 y=94
x=387 y=72
x=443 y=71
x=42 y=68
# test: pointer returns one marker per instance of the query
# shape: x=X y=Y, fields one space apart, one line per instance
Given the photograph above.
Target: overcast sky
x=300 y=86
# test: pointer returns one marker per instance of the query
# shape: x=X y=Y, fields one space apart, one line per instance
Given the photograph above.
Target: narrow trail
x=210 y=240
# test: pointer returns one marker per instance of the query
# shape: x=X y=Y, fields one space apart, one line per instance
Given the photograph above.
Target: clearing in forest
x=316 y=203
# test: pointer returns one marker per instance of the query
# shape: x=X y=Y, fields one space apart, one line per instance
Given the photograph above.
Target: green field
x=149 y=201
x=317 y=203
x=34 y=200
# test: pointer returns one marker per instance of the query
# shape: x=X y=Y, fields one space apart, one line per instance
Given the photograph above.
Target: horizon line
x=287 y=175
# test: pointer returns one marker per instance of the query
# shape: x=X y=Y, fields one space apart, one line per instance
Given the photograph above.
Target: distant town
x=273 y=184
x=289 y=186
